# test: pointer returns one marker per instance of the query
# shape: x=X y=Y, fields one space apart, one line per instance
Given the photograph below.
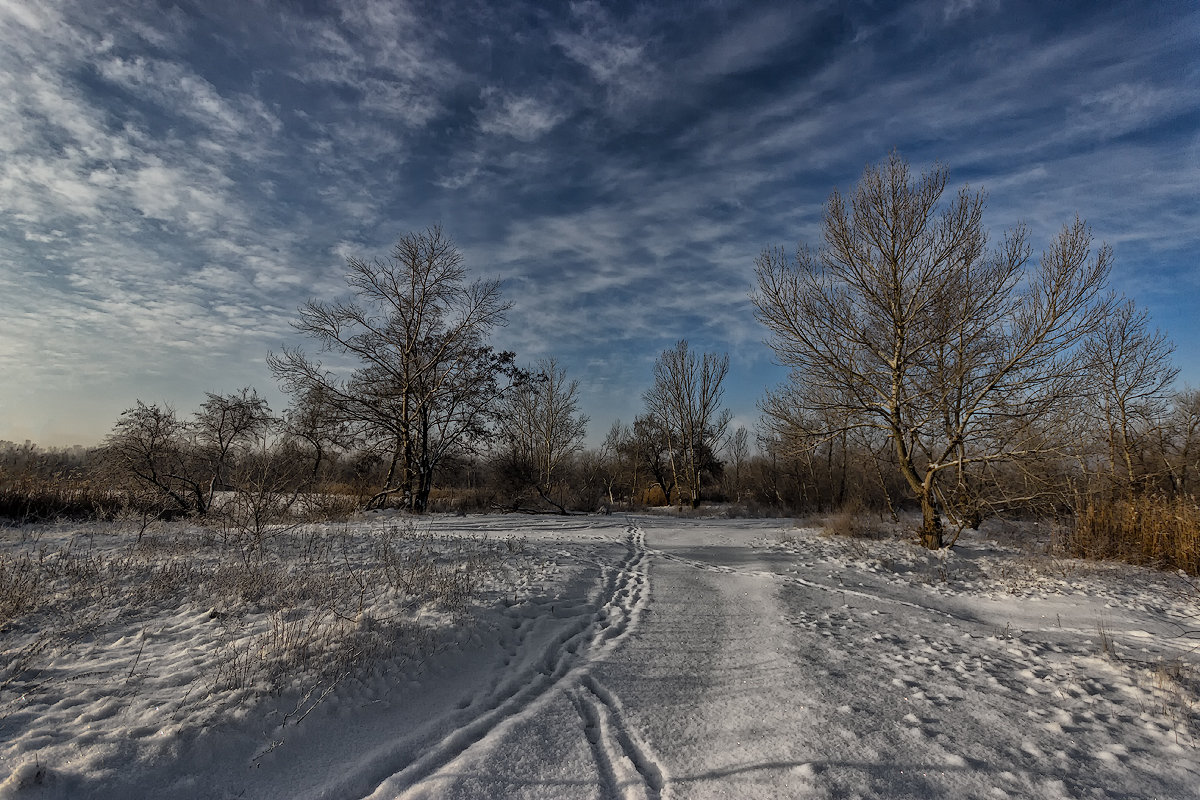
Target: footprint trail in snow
x=624 y=761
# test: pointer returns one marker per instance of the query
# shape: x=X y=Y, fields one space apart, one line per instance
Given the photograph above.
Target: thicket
x=1157 y=530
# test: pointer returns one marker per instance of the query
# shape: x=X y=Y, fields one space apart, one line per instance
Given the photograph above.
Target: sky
x=177 y=179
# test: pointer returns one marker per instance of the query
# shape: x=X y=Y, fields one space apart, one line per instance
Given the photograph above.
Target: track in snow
x=563 y=667
x=628 y=768
x=796 y=580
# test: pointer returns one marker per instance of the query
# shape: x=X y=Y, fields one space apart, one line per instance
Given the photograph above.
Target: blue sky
x=175 y=179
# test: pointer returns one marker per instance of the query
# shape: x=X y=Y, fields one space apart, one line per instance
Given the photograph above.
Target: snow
x=611 y=657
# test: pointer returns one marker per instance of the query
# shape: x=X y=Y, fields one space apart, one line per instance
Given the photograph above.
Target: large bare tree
x=686 y=401
x=904 y=321
x=426 y=380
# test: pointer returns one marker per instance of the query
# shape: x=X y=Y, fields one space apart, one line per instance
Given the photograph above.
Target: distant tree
x=313 y=418
x=904 y=322
x=685 y=400
x=815 y=431
x=149 y=451
x=1132 y=374
x=617 y=471
x=540 y=429
x=426 y=381
x=224 y=428
x=649 y=450
x=738 y=452
x=1180 y=440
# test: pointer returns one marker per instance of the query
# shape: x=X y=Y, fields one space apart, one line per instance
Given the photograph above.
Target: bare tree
x=815 y=430
x=224 y=428
x=314 y=419
x=738 y=451
x=904 y=322
x=541 y=429
x=651 y=453
x=686 y=400
x=427 y=380
x=617 y=466
x=149 y=452
x=1132 y=372
x=1181 y=439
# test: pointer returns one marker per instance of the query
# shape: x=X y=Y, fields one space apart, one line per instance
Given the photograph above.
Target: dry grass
x=332 y=504
x=1178 y=688
x=852 y=521
x=314 y=606
x=30 y=498
x=1151 y=530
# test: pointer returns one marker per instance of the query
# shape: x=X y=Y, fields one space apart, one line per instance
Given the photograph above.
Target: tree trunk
x=931 y=521
x=562 y=511
x=424 y=485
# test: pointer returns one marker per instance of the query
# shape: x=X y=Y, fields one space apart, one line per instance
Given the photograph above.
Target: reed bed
x=1152 y=529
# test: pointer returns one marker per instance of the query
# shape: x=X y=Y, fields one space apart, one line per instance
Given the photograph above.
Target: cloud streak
x=175 y=183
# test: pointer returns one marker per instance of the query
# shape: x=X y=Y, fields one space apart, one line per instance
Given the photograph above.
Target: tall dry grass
x=1152 y=529
x=28 y=498
x=313 y=605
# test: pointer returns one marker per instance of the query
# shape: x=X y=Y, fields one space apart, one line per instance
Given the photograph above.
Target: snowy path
x=719 y=669
x=534 y=686
x=663 y=658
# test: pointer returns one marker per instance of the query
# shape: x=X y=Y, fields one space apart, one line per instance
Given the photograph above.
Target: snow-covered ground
x=601 y=657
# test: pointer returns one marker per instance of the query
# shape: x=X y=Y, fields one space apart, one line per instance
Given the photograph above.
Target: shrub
x=852 y=521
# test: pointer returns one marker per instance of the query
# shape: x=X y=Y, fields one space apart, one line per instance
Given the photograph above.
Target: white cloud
x=748 y=43
x=521 y=117
x=381 y=50
x=617 y=58
x=179 y=91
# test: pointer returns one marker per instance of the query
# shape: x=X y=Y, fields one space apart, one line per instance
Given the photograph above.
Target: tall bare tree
x=224 y=427
x=426 y=381
x=540 y=429
x=686 y=400
x=1132 y=373
x=905 y=322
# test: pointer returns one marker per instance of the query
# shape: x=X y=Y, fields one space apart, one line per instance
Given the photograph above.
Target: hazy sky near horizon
x=176 y=178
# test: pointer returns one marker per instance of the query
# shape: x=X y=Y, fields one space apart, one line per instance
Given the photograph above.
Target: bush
x=461 y=501
x=1152 y=530
x=853 y=521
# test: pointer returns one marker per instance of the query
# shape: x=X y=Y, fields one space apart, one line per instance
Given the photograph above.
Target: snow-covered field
x=589 y=657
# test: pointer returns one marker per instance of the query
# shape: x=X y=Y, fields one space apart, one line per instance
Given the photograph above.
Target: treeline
x=930 y=371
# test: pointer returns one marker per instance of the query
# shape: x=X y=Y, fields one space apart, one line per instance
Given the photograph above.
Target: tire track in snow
x=565 y=660
x=628 y=767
